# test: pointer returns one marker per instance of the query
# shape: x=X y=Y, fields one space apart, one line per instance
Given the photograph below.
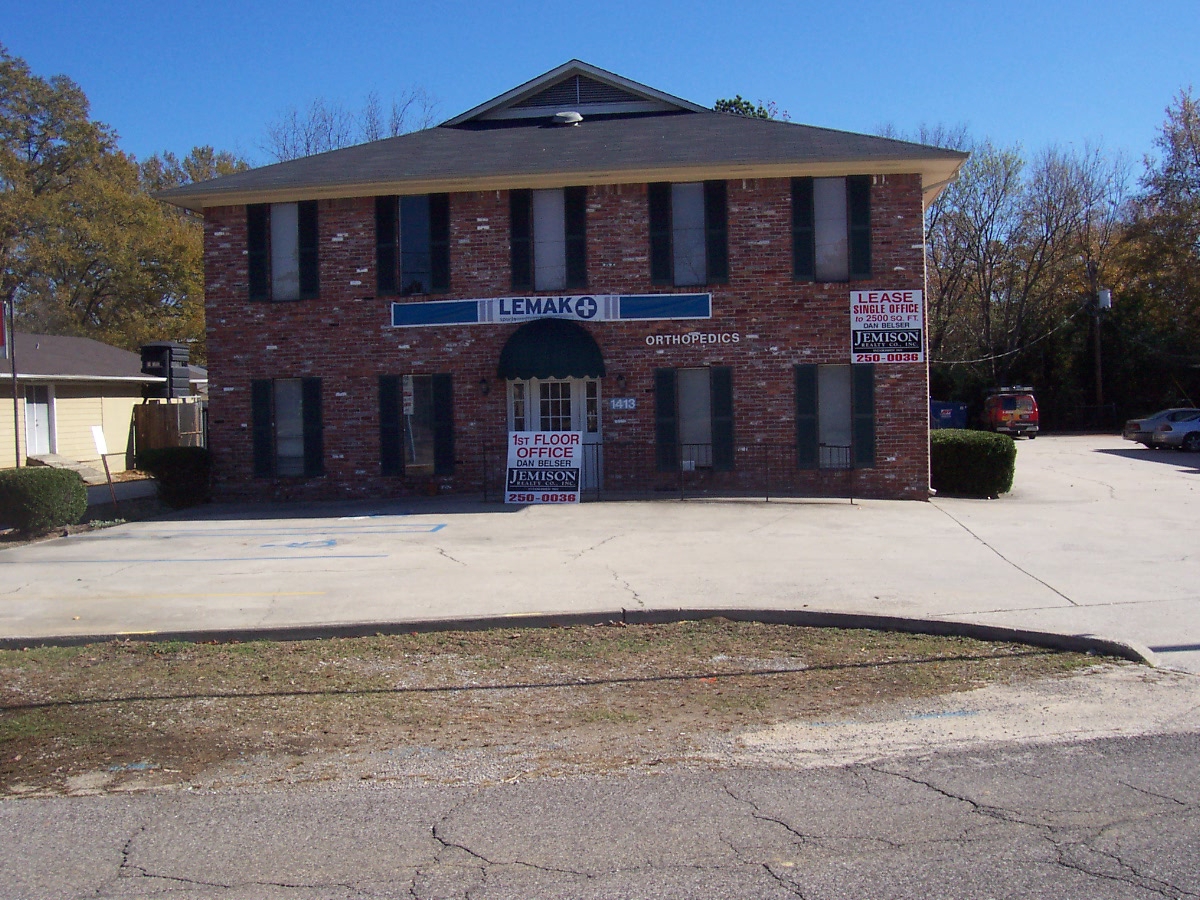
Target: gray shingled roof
x=53 y=356
x=636 y=143
x=476 y=154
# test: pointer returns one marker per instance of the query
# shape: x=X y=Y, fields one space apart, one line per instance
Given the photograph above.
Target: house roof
x=629 y=133
x=54 y=357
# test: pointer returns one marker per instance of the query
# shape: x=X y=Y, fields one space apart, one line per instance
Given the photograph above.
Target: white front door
x=39 y=420
x=561 y=404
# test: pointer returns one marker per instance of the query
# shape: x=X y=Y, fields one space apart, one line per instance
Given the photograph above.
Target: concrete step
x=89 y=474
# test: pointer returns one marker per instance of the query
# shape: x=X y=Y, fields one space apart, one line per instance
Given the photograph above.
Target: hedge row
x=35 y=499
x=971 y=463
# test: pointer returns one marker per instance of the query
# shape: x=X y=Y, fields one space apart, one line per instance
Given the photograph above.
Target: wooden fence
x=162 y=424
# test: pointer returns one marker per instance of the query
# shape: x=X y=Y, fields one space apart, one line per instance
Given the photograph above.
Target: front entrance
x=561 y=404
x=39 y=421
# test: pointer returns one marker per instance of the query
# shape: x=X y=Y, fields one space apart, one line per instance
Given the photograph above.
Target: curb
x=1079 y=643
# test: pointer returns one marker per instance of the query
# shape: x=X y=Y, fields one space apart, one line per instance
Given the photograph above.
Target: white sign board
x=887 y=327
x=543 y=467
x=98 y=437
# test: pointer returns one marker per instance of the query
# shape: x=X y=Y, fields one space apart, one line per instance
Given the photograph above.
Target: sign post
x=543 y=467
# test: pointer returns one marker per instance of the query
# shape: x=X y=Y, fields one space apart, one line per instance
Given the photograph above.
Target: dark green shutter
x=258 y=250
x=520 y=225
x=314 y=435
x=439 y=241
x=858 y=201
x=863 y=404
x=807 y=440
x=662 y=269
x=804 y=238
x=720 y=387
x=575 y=207
x=443 y=424
x=666 y=427
x=716 y=232
x=391 y=431
x=262 y=427
x=306 y=243
x=386 y=245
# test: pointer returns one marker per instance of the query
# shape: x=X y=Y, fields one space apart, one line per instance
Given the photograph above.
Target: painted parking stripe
x=192 y=559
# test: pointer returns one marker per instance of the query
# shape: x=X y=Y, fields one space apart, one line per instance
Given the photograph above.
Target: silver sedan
x=1182 y=435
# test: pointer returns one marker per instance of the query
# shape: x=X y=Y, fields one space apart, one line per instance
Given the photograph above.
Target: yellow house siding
x=77 y=406
x=7 y=447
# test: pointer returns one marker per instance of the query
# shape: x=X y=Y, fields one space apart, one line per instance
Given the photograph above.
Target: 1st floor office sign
x=543 y=467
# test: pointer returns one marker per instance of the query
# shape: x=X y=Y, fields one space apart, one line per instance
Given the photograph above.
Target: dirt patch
x=453 y=705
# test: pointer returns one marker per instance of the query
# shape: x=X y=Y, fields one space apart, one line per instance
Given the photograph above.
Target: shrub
x=182 y=474
x=971 y=463
x=35 y=500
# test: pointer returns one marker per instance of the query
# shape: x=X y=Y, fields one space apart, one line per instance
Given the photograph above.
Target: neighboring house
x=581 y=253
x=65 y=385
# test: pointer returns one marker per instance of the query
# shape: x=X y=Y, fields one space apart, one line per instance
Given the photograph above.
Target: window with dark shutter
x=716 y=236
x=258 y=250
x=391 y=455
x=659 y=199
x=807 y=439
x=804 y=247
x=520 y=225
x=666 y=436
x=307 y=241
x=721 y=387
x=863 y=405
x=314 y=434
x=386 y=245
x=858 y=199
x=415 y=264
x=262 y=427
x=575 y=207
x=439 y=241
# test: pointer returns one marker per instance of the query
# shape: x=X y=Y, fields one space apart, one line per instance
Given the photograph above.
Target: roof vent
x=569 y=117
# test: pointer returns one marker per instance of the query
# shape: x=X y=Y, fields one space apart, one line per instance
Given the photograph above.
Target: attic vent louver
x=578 y=90
x=568 y=117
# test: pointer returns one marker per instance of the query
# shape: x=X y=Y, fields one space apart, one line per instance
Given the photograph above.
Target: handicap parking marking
x=301 y=545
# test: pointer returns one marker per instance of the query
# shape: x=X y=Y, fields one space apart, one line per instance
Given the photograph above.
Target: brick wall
x=345 y=337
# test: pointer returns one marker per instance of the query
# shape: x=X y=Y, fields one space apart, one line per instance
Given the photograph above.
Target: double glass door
x=561 y=404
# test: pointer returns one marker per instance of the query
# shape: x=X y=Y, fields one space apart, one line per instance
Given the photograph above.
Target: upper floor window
x=548 y=231
x=688 y=233
x=281 y=244
x=412 y=244
x=831 y=228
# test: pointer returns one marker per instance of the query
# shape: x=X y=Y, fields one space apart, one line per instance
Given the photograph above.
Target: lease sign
x=543 y=467
x=887 y=327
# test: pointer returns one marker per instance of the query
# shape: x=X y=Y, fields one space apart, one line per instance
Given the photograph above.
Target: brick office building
x=581 y=253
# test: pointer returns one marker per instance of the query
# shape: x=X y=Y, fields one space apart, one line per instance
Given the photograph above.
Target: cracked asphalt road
x=1110 y=818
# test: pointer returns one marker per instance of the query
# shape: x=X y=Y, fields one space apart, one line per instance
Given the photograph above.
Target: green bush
x=182 y=473
x=971 y=463
x=35 y=500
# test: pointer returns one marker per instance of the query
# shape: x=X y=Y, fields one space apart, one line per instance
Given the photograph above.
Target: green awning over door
x=551 y=348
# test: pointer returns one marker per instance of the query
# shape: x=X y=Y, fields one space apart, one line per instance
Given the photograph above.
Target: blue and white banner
x=580 y=308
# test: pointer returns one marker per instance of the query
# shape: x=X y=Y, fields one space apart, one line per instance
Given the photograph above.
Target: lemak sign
x=887 y=327
x=580 y=308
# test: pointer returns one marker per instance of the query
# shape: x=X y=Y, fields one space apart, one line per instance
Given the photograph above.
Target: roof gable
x=578 y=87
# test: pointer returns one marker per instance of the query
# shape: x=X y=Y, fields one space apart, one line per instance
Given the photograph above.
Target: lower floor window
x=694 y=418
x=835 y=416
x=416 y=424
x=288 y=430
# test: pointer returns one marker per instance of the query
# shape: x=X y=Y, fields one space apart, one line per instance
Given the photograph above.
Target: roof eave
x=936 y=173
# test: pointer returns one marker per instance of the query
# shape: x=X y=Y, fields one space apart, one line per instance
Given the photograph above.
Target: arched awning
x=551 y=348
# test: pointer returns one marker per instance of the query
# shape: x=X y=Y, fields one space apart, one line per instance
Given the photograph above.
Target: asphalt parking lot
x=1098 y=536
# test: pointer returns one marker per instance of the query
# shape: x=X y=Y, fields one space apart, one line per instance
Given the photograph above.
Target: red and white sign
x=887 y=327
x=543 y=467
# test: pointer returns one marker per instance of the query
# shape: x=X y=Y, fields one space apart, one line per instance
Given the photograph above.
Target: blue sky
x=169 y=76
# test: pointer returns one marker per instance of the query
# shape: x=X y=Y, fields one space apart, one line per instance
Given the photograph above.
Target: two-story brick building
x=581 y=253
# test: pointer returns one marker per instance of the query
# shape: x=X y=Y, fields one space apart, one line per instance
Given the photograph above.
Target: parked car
x=1142 y=430
x=1182 y=434
x=1012 y=410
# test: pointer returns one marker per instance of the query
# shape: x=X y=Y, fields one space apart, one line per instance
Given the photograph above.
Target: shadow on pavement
x=1189 y=462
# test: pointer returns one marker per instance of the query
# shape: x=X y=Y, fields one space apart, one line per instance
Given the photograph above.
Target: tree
x=329 y=125
x=739 y=106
